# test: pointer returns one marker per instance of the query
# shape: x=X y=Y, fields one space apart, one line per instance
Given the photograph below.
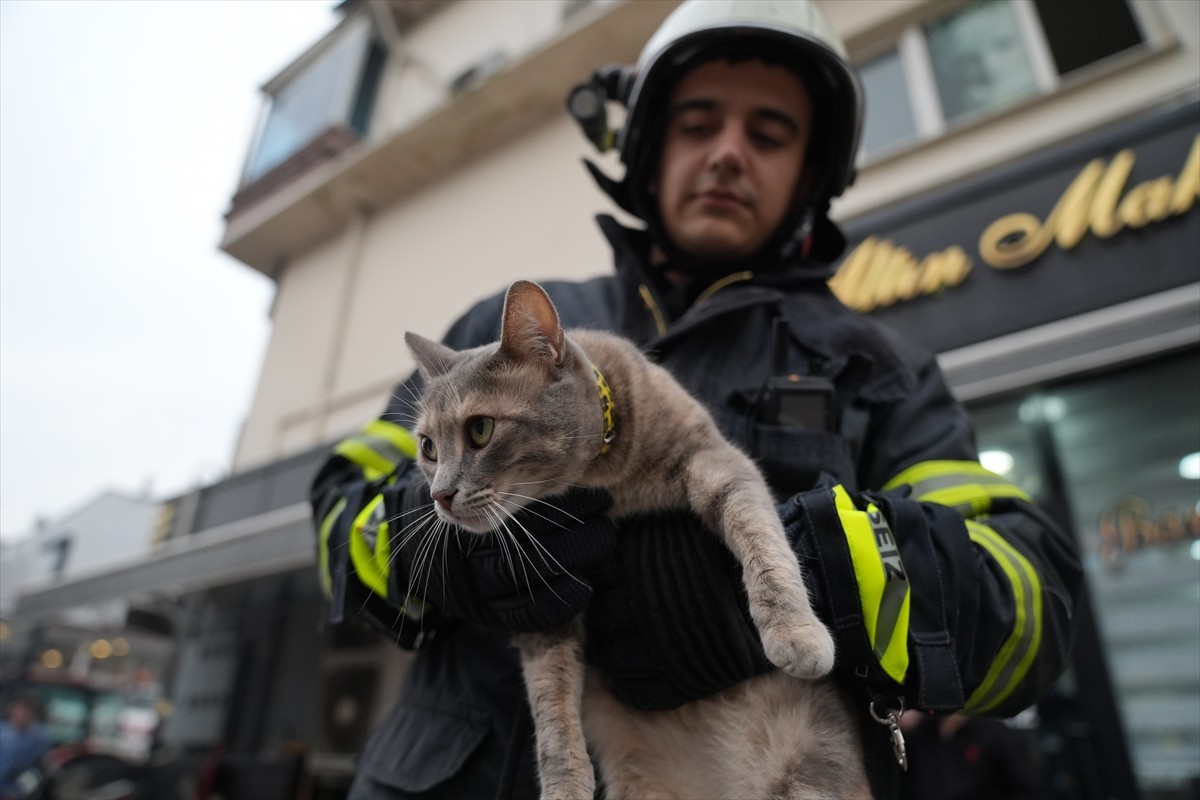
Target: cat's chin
x=475 y=523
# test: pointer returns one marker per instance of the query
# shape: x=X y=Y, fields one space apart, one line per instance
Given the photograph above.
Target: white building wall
x=1117 y=88
x=523 y=208
x=109 y=530
x=112 y=529
x=18 y=564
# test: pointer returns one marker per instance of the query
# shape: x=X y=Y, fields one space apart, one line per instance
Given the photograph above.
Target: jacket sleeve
x=947 y=583
x=355 y=499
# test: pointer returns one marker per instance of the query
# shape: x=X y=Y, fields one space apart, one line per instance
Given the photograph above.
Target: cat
x=501 y=426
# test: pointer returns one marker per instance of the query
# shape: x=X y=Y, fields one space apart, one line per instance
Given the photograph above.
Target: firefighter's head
x=743 y=123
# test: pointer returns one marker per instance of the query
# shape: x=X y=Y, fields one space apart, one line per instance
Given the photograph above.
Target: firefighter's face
x=732 y=156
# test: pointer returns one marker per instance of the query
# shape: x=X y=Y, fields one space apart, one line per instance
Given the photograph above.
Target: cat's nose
x=445 y=497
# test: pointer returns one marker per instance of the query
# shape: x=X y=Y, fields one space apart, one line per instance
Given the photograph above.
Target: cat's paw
x=802 y=650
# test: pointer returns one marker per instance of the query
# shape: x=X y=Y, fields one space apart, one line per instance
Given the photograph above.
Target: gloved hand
x=531 y=578
x=669 y=622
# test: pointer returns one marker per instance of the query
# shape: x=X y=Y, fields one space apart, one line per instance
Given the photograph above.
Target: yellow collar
x=607 y=406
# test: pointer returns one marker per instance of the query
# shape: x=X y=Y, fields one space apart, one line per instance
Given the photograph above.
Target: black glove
x=503 y=580
x=669 y=622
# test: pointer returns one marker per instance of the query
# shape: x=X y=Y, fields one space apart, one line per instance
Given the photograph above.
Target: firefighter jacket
x=944 y=586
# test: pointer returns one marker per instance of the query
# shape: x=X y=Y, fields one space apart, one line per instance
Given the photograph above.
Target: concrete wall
x=108 y=530
x=522 y=208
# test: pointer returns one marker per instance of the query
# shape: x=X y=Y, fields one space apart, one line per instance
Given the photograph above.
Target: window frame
x=348 y=94
x=929 y=119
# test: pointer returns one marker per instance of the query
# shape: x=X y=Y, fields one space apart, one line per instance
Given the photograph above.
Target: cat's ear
x=433 y=358
x=530 y=329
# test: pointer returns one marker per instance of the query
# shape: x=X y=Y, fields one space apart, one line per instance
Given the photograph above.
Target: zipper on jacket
x=652 y=306
x=735 y=277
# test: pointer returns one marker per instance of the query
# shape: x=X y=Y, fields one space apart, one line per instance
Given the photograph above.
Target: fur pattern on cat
x=503 y=426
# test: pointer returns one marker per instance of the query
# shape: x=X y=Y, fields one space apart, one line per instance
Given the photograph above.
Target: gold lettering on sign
x=1093 y=202
x=1128 y=526
x=879 y=273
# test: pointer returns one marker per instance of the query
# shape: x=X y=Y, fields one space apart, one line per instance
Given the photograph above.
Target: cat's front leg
x=793 y=638
x=736 y=503
x=554 y=670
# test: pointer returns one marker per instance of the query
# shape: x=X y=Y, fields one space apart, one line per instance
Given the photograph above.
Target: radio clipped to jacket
x=791 y=400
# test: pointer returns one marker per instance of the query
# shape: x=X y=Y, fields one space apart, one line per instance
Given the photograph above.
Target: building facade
x=1025 y=206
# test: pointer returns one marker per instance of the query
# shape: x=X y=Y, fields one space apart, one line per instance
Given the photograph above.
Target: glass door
x=1117 y=458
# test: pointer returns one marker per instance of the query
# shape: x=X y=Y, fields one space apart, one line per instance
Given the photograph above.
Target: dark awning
x=264 y=544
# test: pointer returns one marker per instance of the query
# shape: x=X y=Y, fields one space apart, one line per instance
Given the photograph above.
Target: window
x=888 y=101
x=335 y=89
x=982 y=58
x=1110 y=28
x=979 y=59
x=1119 y=455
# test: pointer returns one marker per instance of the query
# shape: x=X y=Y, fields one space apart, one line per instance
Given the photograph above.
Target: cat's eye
x=428 y=448
x=480 y=430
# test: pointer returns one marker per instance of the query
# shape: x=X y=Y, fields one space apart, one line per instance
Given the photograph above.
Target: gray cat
x=508 y=423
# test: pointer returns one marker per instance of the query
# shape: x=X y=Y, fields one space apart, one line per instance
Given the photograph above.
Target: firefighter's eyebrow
x=765 y=113
x=782 y=117
x=693 y=104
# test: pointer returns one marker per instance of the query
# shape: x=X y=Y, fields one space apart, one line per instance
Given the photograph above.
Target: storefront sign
x=879 y=273
x=1105 y=218
x=1129 y=526
x=1093 y=202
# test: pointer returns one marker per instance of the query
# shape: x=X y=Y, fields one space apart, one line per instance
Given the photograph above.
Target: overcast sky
x=129 y=345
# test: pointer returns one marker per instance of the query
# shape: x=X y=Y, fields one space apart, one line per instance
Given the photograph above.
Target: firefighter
x=945 y=588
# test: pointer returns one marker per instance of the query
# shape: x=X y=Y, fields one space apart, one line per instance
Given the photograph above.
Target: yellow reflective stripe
x=882 y=583
x=397 y=435
x=379 y=448
x=373 y=465
x=963 y=485
x=1017 y=653
x=383 y=545
x=365 y=532
x=323 y=547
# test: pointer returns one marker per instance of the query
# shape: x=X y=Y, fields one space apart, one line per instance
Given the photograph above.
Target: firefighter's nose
x=728 y=153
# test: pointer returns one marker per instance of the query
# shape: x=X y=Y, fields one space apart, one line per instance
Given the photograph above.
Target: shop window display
x=1119 y=455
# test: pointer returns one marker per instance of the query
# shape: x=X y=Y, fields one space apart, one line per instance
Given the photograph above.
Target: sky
x=130 y=345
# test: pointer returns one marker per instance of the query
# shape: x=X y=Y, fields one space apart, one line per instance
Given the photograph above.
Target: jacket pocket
x=420 y=746
x=793 y=458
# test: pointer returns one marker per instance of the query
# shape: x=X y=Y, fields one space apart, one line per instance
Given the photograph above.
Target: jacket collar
x=819 y=322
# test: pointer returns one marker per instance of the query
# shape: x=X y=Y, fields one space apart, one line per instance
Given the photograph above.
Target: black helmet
x=790 y=32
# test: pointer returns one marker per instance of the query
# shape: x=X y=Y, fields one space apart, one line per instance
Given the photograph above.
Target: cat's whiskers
x=543 y=502
x=543 y=552
x=424 y=555
x=500 y=531
x=500 y=539
x=541 y=549
x=416 y=523
x=414 y=528
x=414 y=405
x=428 y=511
